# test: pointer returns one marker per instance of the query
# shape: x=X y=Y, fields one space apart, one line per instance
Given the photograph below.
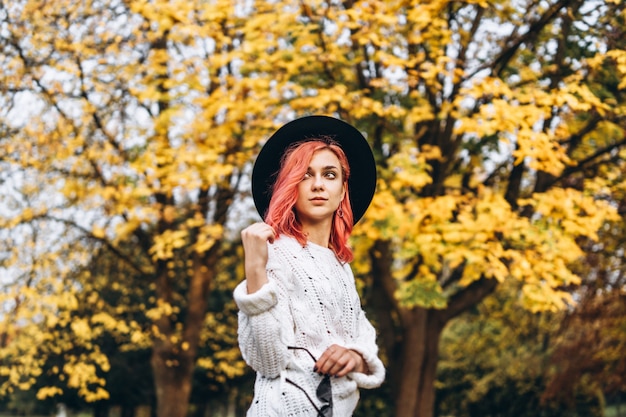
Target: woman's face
x=321 y=190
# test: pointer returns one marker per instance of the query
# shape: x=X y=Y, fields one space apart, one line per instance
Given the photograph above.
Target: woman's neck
x=317 y=233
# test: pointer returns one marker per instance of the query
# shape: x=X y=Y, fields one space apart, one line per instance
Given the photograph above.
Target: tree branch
x=584 y=163
x=468 y=297
x=502 y=60
x=89 y=234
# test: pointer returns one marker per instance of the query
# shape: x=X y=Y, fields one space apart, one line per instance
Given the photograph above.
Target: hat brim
x=362 y=180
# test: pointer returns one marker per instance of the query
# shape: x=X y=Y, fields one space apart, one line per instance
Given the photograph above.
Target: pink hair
x=281 y=214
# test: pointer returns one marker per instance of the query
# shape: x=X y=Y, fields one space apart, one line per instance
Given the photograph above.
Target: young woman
x=301 y=325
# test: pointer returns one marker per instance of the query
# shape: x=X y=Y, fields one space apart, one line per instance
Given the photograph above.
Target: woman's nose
x=317 y=182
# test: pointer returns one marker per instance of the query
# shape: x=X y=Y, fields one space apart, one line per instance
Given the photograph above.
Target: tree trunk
x=173 y=363
x=416 y=391
x=421 y=330
x=411 y=336
x=172 y=380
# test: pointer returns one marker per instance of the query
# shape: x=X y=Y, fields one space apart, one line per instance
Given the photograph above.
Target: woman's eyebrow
x=325 y=168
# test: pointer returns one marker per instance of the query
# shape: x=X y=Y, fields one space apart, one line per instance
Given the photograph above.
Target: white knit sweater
x=310 y=301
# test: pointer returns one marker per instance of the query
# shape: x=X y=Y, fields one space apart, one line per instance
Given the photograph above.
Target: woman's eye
x=331 y=175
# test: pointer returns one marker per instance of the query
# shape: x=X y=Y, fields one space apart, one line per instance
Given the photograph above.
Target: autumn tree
x=590 y=340
x=499 y=359
x=588 y=350
x=127 y=128
x=136 y=121
x=496 y=359
x=509 y=145
x=493 y=142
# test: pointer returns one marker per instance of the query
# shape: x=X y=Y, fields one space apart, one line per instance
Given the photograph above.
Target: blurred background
x=491 y=260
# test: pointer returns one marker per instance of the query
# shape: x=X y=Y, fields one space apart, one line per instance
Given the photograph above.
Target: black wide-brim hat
x=362 y=180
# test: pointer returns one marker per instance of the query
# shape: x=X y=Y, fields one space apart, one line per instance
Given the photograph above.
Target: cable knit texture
x=310 y=301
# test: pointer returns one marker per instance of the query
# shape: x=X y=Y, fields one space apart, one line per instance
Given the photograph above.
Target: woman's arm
x=365 y=345
x=368 y=349
x=254 y=239
x=265 y=324
x=264 y=329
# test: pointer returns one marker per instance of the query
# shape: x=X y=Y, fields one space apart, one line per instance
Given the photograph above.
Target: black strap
x=319 y=412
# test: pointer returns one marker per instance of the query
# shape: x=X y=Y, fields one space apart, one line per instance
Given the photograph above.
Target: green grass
x=615 y=411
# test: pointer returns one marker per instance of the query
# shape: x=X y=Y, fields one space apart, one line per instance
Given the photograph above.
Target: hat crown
x=362 y=181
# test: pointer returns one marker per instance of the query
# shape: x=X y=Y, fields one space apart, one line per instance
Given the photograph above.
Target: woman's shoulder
x=284 y=256
x=286 y=242
x=283 y=239
x=284 y=247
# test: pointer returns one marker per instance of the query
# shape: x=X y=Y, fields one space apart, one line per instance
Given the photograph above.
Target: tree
x=123 y=129
x=488 y=159
x=496 y=359
x=491 y=139
x=499 y=359
x=494 y=141
x=589 y=343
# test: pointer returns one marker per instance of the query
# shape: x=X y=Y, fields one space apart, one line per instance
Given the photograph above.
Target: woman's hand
x=254 y=239
x=339 y=361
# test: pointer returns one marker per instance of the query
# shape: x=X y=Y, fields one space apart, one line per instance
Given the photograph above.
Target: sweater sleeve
x=265 y=323
x=366 y=345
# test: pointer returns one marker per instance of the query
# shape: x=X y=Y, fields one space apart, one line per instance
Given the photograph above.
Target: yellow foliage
x=165 y=244
x=109 y=323
x=487 y=239
x=208 y=235
x=410 y=170
x=163 y=309
x=82 y=376
x=142 y=121
x=46 y=392
x=81 y=329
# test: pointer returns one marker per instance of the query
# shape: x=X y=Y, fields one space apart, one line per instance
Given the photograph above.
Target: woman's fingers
x=258 y=232
x=254 y=239
x=338 y=361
